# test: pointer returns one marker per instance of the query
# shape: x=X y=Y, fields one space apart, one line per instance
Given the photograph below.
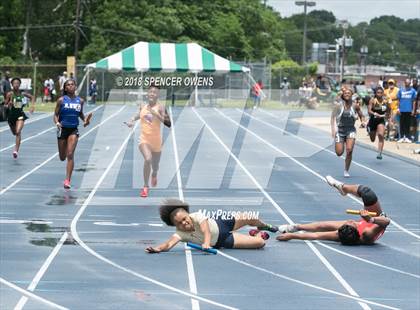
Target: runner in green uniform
x=16 y=100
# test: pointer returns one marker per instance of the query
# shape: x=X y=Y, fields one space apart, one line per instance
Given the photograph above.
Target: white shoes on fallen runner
x=287 y=228
x=335 y=183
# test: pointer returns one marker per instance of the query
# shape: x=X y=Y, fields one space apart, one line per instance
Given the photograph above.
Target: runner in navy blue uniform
x=66 y=117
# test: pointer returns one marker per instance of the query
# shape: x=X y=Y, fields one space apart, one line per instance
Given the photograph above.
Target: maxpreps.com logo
x=230 y=215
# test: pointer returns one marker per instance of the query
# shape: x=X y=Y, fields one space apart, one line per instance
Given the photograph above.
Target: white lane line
x=74 y=233
x=31 y=295
x=307 y=284
x=334 y=272
x=190 y=266
x=328 y=151
x=368 y=261
x=40 y=133
x=31 y=120
x=41 y=271
x=55 y=154
x=309 y=169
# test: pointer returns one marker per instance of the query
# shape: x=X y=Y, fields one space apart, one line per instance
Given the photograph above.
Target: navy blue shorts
x=64 y=133
x=225 y=239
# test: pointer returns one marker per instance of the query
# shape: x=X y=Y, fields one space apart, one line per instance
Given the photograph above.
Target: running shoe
x=67 y=184
x=335 y=183
x=402 y=140
x=346 y=174
x=269 y=227
x=263 y=234
x=379 y=156
x=286 y=228
x=407 y=140
x=154 y=181
x=15 y=154
x=144 y=192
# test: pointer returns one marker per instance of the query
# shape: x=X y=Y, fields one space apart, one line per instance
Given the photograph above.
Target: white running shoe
x=402 y=140
x=335 y=183
x=287 y=228
x=407 y=140
x=346 y=174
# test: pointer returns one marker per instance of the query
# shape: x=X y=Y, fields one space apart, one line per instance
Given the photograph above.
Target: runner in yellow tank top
x=151 y=116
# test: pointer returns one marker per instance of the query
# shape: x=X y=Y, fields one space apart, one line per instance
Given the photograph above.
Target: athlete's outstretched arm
x=57 y=112
x=166 y=246
x=360 y=112
x=329 y=235
x=167 y=119
x=333 y=116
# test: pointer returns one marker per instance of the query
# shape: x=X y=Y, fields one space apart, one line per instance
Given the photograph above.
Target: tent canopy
x=167 y=57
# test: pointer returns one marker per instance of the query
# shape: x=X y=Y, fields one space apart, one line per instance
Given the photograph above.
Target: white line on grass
x=327 y=264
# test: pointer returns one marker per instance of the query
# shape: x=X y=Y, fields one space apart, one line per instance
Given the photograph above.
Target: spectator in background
x=381 y=82
x=393 y=125
x=413 y=126
x=256 y=93
x=71 y=77
x=51 y=88
x=5 y=84
x=406 y=109
x=93 y=92
x=417 y=138
x=285 y=86
x=415 y=84
x=62 y=79
x=46 y=96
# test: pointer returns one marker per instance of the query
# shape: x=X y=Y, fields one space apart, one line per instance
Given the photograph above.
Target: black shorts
x=225 y=239
x=64 y=133
x=368 y=195
x=14 y=115
x=374 y=123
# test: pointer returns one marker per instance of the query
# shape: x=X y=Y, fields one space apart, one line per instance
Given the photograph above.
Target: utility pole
x=76 y=39
x=305 y=5
x=344 y=42
x=26 y=42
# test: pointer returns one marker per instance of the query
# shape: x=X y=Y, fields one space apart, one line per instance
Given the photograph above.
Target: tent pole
x=79 y=88
x=196 y=89
x=87 y=84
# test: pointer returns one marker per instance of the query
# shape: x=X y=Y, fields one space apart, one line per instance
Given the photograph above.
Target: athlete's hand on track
x=152 y=250
x=365 y=215
x=284 y=237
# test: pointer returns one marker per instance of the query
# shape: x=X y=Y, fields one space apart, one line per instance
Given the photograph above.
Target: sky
x=355 y=11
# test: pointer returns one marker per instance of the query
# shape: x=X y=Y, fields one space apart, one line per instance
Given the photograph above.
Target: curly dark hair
x=348 y=235
x=170 y=207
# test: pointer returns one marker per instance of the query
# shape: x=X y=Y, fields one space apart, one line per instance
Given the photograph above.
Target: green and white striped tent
x=167 y=57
